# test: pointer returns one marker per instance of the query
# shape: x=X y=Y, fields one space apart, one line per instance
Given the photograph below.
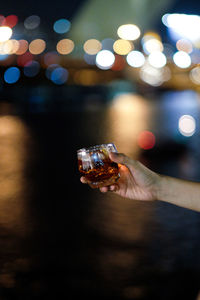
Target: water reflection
x=13 y=137
x=127 y=116
x=60 y=238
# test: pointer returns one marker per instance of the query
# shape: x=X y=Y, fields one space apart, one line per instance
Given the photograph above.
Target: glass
x=96 y=166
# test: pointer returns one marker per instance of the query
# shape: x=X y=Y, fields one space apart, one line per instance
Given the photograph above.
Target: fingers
x=104 y=189
x=111 y=188
x=121 y=158
x=83 y=179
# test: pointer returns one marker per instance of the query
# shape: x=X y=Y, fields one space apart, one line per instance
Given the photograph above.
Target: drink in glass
x=96 y=166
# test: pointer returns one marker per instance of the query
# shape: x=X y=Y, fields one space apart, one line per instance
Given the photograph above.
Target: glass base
x=99 y=184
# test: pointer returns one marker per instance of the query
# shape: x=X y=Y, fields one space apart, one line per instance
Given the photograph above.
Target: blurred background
x=78 y=73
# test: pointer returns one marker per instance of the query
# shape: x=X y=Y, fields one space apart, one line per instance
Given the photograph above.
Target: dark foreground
x=61 y=239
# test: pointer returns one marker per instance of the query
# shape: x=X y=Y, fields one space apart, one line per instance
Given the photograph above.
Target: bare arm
x=179 y=192
x=137 y=182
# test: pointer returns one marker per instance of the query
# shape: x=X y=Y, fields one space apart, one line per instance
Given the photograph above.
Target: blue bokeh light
x=12 y=75
x=50 y=69
x=3 y=56
x=59 y=75
x=107 y=44
x=61 y=26
x=31 y=69
x=90 y=59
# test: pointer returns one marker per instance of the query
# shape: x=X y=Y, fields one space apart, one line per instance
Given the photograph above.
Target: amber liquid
x=105 y=172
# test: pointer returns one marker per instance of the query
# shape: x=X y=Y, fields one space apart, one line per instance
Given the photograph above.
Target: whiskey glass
x=96 y=166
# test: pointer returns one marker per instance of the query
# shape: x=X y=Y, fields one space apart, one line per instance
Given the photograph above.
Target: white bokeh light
x=183 y=25
x=157 y=59
x=5 y=33
x=151 y=75
x=182 y=59
x=135 y=59
x=152 y=45
x=195 y=75
x=129 y=32
x=187 y=125
x=105 y=59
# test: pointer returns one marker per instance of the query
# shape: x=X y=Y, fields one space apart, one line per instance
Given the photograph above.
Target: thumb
x=121 y=158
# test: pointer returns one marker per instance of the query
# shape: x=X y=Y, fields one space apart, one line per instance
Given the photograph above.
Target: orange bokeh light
x=37 y=46
x=65 y=46
x=23 y=47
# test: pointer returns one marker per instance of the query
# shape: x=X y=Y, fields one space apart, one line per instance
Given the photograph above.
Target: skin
x=137 y=182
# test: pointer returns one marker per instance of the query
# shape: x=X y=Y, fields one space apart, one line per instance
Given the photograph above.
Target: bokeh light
x=152 y=76
x=59 y=75
x=89 y=59
x=182 y=59
x=135 y=59
x=157 y=59
x=9 y=47
x=184 y=45
x=37 y=46
x=10 y=21
x=22 y=47
x=146 y=140
x=149 y=35
x=129 y=32
x=183 y=26
x=62 y=26
x=92 y=46
x=51 y=58
x=50 y=69
x=107 y=44
x=23 y=59
x=32 y=22
x=164 y=19
x=3 y=49
x=3 y=57
x=123 y=47
x=187 y=125
x=105 y=59
x=65 y=46
x=195 y=56
x=12 y=46
x=2 y=18
x=31 y=68
x=152 y=45
x=5 y=33
x=12 y=75
x=195 y=75
x=119 y=63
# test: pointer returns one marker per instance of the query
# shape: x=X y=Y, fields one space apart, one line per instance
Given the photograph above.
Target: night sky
x=67 y=8
x=50 y=11
x=44 y=8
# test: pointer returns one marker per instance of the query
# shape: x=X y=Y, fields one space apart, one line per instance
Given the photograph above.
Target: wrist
x=161 y=187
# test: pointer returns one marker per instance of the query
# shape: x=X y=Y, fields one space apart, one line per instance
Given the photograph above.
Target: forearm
x=179 y=192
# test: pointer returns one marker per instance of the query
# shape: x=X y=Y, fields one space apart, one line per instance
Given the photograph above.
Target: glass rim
x=96 y=147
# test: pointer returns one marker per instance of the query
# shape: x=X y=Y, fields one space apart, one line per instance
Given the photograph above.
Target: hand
x=136 y=181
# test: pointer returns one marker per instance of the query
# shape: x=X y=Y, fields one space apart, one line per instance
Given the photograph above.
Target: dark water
x=61 y=239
